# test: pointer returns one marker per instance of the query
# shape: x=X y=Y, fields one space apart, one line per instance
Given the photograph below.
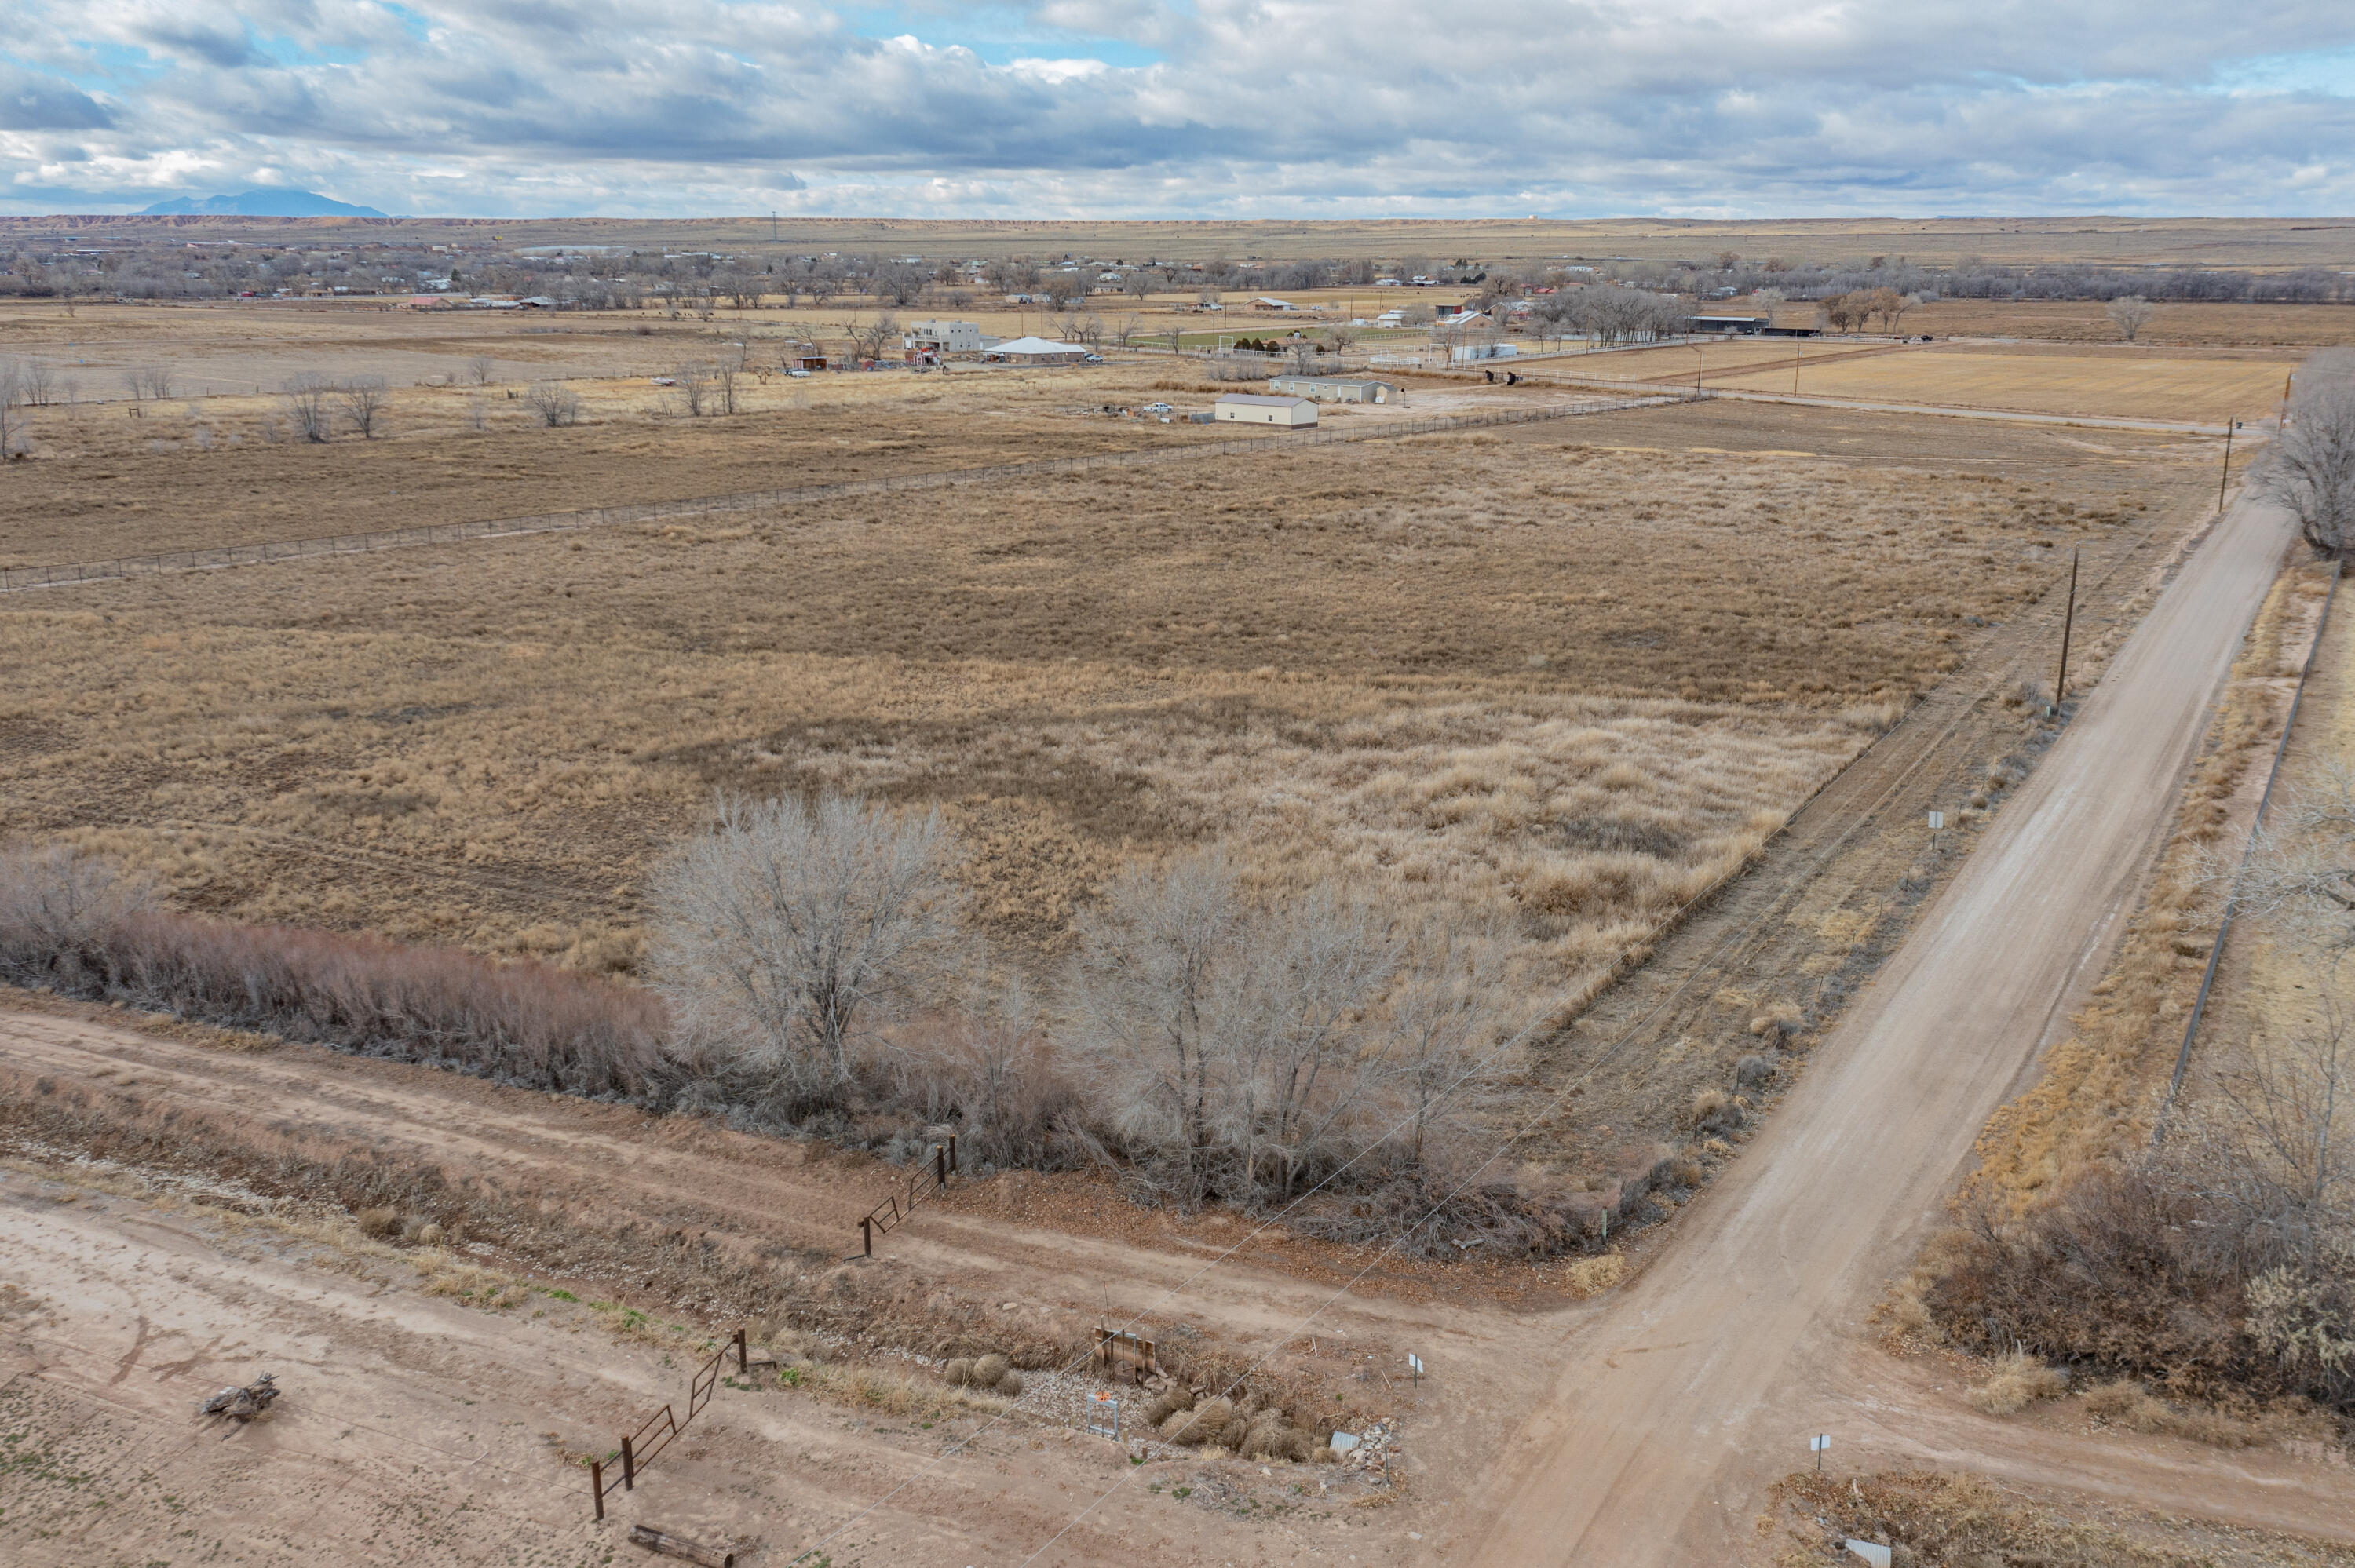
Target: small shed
x=1334 y=388
x=1248 y=408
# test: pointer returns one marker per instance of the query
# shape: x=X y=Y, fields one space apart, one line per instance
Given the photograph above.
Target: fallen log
x=679 y=1546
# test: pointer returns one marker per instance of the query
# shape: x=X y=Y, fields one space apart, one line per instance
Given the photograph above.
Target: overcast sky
x=1208 y=108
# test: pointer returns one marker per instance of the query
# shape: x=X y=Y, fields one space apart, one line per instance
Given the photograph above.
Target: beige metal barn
x=1249 y=408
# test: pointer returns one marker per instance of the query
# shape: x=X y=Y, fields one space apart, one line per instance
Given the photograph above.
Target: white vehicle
x=799 y=375
x=1157 y=409
x=1092 y=359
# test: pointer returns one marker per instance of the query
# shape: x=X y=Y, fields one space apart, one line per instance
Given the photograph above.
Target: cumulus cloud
x=1239 y=107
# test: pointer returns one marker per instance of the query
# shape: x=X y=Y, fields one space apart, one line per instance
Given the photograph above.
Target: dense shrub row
x=1207 y=1049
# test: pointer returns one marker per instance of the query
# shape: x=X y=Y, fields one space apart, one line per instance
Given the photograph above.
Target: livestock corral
x=1470 y=720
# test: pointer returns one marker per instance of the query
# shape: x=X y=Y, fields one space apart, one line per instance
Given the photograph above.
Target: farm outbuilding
x=1334 y=388
x=1248 y=408
x=1035 y=351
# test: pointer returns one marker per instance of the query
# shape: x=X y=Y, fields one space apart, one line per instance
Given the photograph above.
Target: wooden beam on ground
x=679 y=1546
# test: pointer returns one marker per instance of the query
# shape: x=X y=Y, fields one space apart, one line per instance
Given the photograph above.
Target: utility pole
x=2067 y=624
x=2225 y=477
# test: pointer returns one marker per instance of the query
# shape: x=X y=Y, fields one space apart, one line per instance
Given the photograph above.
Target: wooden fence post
x=597 y=1485
x=743 y=1360
x=629 y=1468
x=941 y=1165
x=867 y=1235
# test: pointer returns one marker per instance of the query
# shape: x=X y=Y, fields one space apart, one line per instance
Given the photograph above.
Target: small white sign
x=1344 y=1441
x=1937 y=820
x=1415 y=1362
x=1818 y=1443
x=1872 y=1551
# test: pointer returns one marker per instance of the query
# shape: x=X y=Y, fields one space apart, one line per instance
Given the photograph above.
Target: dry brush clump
x=72 y=924
x=2220 y=1266
x=1964 y=1520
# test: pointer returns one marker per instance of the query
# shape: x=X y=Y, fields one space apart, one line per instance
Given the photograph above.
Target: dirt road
x=1676 y=1404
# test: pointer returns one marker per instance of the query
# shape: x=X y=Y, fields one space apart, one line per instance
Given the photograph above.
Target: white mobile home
x=1334 y=388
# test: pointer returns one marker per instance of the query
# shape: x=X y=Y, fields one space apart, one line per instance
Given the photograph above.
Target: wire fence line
x=19 y=579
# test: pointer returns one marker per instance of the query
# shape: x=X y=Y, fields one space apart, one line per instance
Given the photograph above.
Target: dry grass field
x=1562 y=676
x=2132 y=385
x=2118 y=382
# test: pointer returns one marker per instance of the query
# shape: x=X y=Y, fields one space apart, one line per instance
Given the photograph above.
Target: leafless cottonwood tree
x=2129 y=314
x=148 y=383
x=726 y=374
x=789 y=929
x=1227 y=1038
x=555 y=403
x=1443 y=1020
x=36 y=381
x=479 y=368
x=15 y=421
x=874 y=337
x=308 y=400
x=694 y=388
x=2311 y=468
x=363 y=399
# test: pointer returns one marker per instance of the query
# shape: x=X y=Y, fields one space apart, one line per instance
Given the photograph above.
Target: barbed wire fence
x=19 y=579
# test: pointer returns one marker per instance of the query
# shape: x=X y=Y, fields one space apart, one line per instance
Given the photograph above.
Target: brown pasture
x=1566 y=676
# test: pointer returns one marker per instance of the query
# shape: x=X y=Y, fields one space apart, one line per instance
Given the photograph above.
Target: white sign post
x=1937 y=820
x=1820 y=1442
x=1417 y=1362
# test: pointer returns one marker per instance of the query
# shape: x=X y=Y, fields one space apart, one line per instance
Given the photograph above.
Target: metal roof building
x=1245 y=408
x=1334 y=388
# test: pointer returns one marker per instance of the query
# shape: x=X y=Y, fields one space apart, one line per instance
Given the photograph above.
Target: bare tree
x=726 y=374
x=148 y=382
x=1228 y=1040
x=2129 y=314
x=789 y=929
x=308 y=399
x=874 y=337
x=16 y=424
x=554 y=402
x=58 y=905
x=1443 y=1018
x=479 y=368
x=1139 y=283
x=2301 y=866
x=1147 y=994
x=478 y=412
x=2311 y=468
x=901 y=284
x=363 y=399
x=35 y=380
x=694 y=382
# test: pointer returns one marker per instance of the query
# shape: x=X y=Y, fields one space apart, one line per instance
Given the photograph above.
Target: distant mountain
x=263 y=203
